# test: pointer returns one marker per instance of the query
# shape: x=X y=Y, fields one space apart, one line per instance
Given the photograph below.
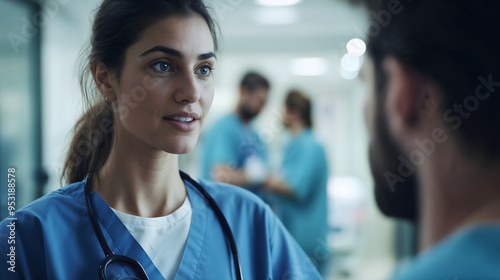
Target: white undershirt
x=163 y=238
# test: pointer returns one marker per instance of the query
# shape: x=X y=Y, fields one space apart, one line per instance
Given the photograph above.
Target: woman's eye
x=205 y=70
x=161 y=66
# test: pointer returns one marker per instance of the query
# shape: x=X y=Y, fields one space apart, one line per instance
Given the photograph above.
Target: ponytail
x=91 y=144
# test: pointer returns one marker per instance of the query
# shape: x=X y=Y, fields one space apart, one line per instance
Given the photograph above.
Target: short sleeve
x=6 y=270
x=28 y=245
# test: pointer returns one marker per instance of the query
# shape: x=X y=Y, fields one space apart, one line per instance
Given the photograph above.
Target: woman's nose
x=187 y=90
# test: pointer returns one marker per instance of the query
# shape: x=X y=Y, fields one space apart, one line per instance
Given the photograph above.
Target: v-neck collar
x=122 y=242
x=188 y=267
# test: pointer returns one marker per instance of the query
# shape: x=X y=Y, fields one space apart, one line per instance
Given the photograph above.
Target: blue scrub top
x=231 y=142
x=54 y=239
x=472 y=253
x=305 y=171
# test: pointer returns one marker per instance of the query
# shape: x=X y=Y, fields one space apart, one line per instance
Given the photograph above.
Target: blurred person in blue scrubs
x=128 y=213
x=233 y=151
x=301 y=186
x=435 y=142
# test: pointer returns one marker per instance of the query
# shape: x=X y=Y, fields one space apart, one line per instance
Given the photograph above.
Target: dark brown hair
x=296 y=100
x=453 y=44
x=252 y=81
x=118 y=24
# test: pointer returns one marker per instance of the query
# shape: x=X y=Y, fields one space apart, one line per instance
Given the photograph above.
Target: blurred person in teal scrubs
x=233 y=151
x=433 y=116
x=301 y=187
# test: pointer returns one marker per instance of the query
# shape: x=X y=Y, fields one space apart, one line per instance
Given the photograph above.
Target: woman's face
x=166 y=86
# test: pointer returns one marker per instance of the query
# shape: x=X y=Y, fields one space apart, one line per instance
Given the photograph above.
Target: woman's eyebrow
x=208 y=55
x=163 y=49
x=176 y=53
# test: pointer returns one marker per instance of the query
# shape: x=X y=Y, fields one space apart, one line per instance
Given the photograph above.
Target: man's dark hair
x=455 y=44
x=252 y=81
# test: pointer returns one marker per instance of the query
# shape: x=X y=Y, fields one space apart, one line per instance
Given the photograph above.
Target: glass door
x=20 y=106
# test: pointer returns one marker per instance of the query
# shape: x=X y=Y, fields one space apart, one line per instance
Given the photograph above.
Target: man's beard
x=396 y=194
x=394 y=198
x=247 y=114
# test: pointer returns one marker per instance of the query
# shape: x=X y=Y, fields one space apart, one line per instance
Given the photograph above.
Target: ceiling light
x=348 y=75
x=351 y=62
x=313 y=66
x=278 y=16
x=356 y=47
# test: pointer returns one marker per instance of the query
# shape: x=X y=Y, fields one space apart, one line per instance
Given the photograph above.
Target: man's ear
x=102 y=79
x=411 y=98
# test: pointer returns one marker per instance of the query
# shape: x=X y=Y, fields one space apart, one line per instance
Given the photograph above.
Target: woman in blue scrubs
x=300 y=191
x=148 y=85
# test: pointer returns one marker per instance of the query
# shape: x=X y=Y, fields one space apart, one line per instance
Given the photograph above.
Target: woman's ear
x=102 y=78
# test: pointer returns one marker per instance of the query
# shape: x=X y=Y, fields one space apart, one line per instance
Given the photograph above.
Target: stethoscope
x=111 y=257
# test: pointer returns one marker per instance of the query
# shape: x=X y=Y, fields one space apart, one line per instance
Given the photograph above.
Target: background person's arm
x=301 y=168
x=275 y=184
x=230 y=175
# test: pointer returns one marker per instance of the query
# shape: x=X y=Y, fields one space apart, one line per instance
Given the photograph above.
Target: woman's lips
x=182 y=124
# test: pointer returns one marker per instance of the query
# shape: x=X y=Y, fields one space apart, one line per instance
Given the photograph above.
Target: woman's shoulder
x=229 y=191
x=47 y=218
x=242 y=208
x=54 y=203
x=227 y=195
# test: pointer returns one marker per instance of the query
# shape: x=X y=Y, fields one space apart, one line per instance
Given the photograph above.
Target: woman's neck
x=141 y=183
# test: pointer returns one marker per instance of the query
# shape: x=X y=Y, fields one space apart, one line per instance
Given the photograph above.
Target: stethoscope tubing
x=222 y=220
x=220 y=216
